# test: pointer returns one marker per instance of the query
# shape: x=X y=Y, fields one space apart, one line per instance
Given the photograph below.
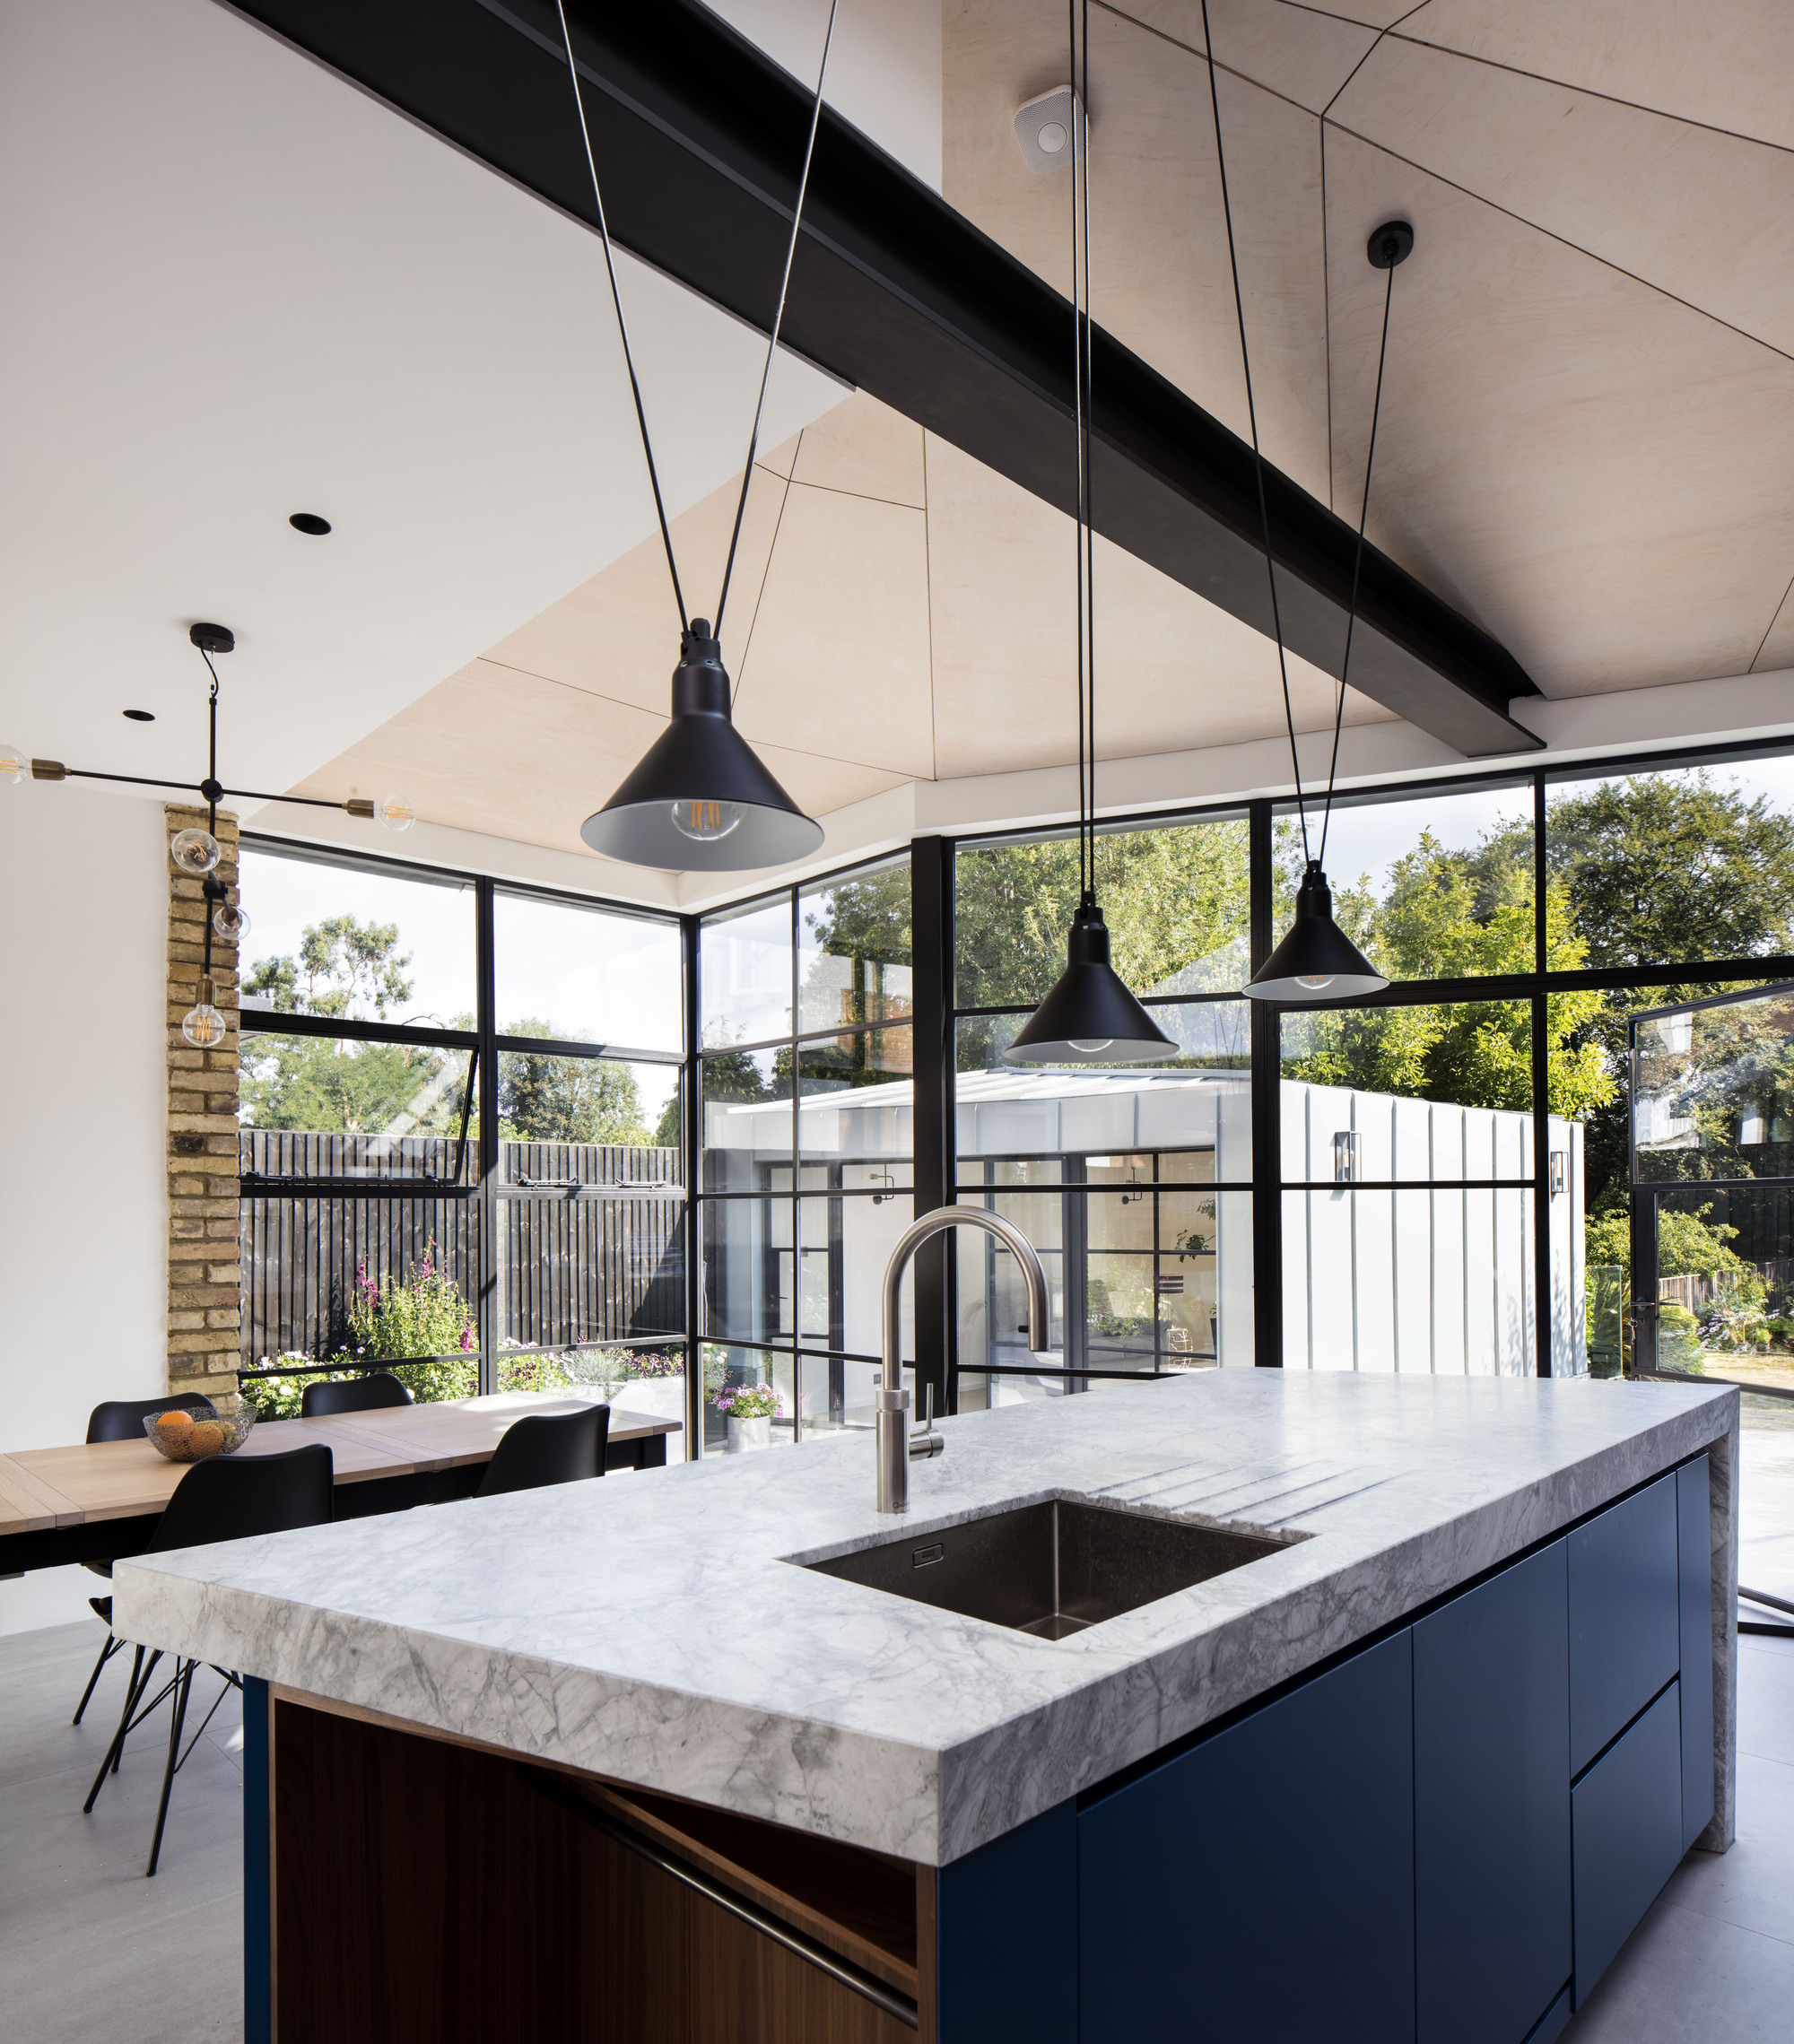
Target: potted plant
x=749 y=1410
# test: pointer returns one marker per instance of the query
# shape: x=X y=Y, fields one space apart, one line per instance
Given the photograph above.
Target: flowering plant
x=749 y=1402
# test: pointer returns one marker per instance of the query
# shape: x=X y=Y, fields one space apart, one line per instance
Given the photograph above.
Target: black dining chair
x=215 y=1501
x=370 y=1394
x=548 y=1447
x=122 y=1418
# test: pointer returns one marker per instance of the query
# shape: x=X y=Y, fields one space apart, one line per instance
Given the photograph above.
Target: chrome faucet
x=894 y=1444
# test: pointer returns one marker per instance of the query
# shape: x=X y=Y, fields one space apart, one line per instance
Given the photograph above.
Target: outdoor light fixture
x=700 y=799
x=1317 y=957
x=196 y=852
x=1089 y=1017
x=1560 y=1171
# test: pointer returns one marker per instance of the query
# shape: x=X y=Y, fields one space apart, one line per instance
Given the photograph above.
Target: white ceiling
x=292 y=299
x=238 y=287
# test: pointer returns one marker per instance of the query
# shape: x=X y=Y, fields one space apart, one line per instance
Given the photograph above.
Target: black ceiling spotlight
x=310 y=523
x=1089 y=1017
x=1317 y=957
x=700 y=799
x=141 y=716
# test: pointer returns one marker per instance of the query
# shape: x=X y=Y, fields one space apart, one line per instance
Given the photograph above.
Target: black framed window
x=804 y=1134
x=461 y=1134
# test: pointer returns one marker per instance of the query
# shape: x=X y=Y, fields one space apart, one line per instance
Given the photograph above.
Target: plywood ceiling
x=1586 y=441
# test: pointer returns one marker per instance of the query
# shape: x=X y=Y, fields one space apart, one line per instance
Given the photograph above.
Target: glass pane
x=748 y=1287
x=992 y=1300
x=360 y=1281
x=744 y=974
x=564 y=1118
x=1695 y=862
x=764 y=1418
x=1430 y=885
x=857 y=1112
x=1715 y=1090
x=853 y=950
x=560 y=970
x=745 y=1124
x=595 y=1265
x=329 y=938
x=1419 y=1093
x=1018 y=1112
x=324 y=1106
x=1439 y=1282
x=1725 y=1283
x=844 y=1247
x=1177 y=901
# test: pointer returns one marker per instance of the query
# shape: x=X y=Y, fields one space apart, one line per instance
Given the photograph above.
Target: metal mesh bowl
x=201 y=1436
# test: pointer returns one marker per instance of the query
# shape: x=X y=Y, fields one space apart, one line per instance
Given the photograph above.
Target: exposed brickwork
x=205 y=1281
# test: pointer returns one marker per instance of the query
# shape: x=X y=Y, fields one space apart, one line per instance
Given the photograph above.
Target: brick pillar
x=204 y=1279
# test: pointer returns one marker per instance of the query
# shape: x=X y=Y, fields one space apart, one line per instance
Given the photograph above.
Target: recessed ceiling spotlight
x=141 y=716
x=1045 y=127
x=309 y=522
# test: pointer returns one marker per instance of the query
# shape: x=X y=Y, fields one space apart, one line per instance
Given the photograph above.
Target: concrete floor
x=88 y=1948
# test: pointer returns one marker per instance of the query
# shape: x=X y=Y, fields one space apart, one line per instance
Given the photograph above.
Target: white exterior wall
x=1433 y=1280
x=84 y=1195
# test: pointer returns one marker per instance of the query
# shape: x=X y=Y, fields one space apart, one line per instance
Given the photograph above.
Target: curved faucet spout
x=938 y=1223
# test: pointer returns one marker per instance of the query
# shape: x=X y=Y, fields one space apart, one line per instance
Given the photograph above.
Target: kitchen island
x=619 y=1759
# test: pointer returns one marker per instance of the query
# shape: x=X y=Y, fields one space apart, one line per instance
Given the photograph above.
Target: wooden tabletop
x=45 y=1487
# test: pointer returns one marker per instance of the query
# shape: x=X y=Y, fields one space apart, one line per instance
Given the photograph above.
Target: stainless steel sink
x=1052 y=1569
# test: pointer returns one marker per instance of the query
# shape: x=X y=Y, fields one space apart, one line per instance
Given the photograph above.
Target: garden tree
x=861 y=930
x=546 y=1099
x=344 y=968
x=1443 y=919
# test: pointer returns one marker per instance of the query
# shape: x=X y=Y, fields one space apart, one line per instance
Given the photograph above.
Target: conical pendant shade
x=1316 y=961
x=700 y=800
x=1089 y=1017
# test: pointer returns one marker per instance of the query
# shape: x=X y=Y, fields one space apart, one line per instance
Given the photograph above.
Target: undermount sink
x=1052 y=1569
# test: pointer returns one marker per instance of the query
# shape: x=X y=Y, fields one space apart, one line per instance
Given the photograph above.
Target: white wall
x=83 y=1212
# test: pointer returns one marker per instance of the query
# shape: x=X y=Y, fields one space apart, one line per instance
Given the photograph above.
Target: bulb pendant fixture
x=1316 y=961
x=202 y=1025
x=700 y=800
x=1089 y=1017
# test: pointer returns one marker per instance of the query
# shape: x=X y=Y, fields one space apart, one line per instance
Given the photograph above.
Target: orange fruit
x=172 y=1426
x=205 y=1439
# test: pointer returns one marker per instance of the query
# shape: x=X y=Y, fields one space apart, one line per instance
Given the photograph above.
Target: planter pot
x=744 y=1434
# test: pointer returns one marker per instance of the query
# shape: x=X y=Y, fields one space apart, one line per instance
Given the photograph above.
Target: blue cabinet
x=1626 y=1827
x=1258 y=1889
x=1694 y=1564
x=1005 y=1954
x=1625 y=1627
x=1491 y=1806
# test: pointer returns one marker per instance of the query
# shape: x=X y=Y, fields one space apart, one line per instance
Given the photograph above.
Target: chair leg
x=140 y=1682
x=113 y=1645
x=185 y=1676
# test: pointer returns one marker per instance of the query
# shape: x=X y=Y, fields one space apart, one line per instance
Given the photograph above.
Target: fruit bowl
x=181 y=1436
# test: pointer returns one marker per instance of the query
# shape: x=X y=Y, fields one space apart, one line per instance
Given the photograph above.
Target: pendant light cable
x=623 y=324
x=1252 y=417
x=1357 y=562
x=778 y=320
x=1082 y=396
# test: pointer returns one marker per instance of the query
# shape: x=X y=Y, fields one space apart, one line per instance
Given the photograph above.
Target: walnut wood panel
x=425 y=1892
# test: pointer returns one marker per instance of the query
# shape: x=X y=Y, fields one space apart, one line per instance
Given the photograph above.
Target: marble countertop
x=651 y=1628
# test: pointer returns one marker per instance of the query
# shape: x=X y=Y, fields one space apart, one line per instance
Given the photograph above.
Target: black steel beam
x=699 y=138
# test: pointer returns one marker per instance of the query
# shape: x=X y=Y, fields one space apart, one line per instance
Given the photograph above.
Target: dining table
x=98 y=1500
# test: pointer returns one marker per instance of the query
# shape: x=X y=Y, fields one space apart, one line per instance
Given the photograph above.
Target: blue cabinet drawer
x=1624 y=1616
x=1258 y=1889
x=1491 y=1806
x=1625 y=1825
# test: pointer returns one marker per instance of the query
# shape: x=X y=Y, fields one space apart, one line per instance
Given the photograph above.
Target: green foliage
x=1686 y=1244
x=865 y=925
x=1607 y=1237
x=424 y=1317
x=545 y=1099
x=279 y=1397
x=344 y=968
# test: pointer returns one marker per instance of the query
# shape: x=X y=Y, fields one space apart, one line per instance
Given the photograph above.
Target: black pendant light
x=701 y=799
x=1089 y=1017
x=1317 y=963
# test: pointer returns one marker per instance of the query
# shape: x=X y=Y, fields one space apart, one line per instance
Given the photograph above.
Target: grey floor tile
x=1753 y=1885
x=1684 y=1977
x=1766 y=1698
